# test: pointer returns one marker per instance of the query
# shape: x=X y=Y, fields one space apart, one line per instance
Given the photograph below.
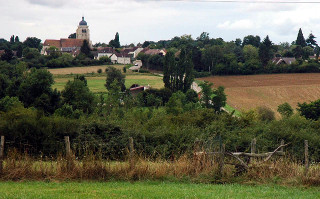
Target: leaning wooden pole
x=1 y=153
x=306 y=157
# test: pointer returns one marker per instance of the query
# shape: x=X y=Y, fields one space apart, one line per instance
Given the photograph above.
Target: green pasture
x=149 y=190
x=96 y=83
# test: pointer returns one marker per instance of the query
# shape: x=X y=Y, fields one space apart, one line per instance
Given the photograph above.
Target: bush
x=265 y=113
x=285 y=110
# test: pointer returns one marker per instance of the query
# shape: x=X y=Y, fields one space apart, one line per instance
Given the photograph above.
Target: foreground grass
x=148 y=190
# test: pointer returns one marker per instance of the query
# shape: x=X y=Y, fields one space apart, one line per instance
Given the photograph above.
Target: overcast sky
x=140 y=20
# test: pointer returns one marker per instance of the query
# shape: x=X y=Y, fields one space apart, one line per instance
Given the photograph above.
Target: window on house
x=84 y=30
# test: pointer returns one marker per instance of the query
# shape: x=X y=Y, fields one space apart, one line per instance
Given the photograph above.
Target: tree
x=77 y=94
x=251 y=40
x=203 y=39
x=178 y=76
x=169 y=70
x=146 y=44
x=85 y=48
x=250 y=52
x=311 y=41
x=72 y=36
x=238 y=42
x=285 y=110
x=265 y=114
x=206 y=93
x=311 y=110
x=300 y=39
x=297 y=51
x=7 y=56
x=211 y=57
x=115 y=74
x=187 y=70
x=265 y=51
x=36 y=90
x=19 y=51
x=307 y=51
x=16 y=39
x=12 y=39
x=219 y=99
x=33 y=42
x=115 y=43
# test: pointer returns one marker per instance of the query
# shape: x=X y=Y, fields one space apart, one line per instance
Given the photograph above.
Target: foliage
x=178 y=76
x=85 y=49
x=33 y=42
x=311 y=110
x=206 y=93
x=115 y=74
x=265 y=114
x=219 y=99
x=115 y=43
x=300 y=39
x=77 y=94
x=285 y=110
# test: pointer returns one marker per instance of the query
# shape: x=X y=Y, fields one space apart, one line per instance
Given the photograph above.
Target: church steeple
x=83 y=30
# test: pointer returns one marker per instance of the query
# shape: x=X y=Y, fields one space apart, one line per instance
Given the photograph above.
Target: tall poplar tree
x=300 y=39
x=265 y=51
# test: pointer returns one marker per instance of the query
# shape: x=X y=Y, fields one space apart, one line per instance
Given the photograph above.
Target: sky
x=145 y=20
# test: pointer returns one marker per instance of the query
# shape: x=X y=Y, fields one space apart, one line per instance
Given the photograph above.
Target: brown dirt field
x=248 y=92
x=81 y=70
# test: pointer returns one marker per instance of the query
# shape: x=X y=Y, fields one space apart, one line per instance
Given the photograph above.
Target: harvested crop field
x=250 y=91
x=81 y=70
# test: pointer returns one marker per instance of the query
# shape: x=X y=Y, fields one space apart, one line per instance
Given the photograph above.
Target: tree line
x=251 y=55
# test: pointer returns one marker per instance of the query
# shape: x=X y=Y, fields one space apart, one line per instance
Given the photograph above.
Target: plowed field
x=248 y=92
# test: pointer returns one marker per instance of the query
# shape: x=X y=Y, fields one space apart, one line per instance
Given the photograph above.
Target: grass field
x=149 y=190
x=96 y=81
x=96 y=84
x=247 y=92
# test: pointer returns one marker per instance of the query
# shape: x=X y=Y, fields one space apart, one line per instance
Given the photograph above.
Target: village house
x=283 y=60
x=148 y=51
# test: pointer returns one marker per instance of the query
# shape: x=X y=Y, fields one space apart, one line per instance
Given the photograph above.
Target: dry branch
x=275 y=151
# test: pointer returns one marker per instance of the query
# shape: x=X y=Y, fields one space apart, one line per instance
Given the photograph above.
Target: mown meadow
x=149 y=189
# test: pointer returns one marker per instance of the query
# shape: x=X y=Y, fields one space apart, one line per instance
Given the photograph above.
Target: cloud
x=49 y=3
x=236 y=25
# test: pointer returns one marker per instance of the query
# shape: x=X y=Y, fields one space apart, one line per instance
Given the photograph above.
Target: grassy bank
x=153 y=189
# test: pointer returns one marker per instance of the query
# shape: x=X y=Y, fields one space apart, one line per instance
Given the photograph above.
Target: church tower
x=83 y=31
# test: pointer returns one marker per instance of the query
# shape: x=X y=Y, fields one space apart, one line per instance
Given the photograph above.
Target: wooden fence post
x=306 y=157
x=253 y=147
x=131 y=153
x=221 y=160
x=282 y=148
x=1 y=152
x=68 y=149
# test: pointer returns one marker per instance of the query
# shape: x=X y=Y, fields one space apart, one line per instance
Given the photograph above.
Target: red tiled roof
x=71 y=42
x=52 y=42
x=106 y=50
x=64 y=43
